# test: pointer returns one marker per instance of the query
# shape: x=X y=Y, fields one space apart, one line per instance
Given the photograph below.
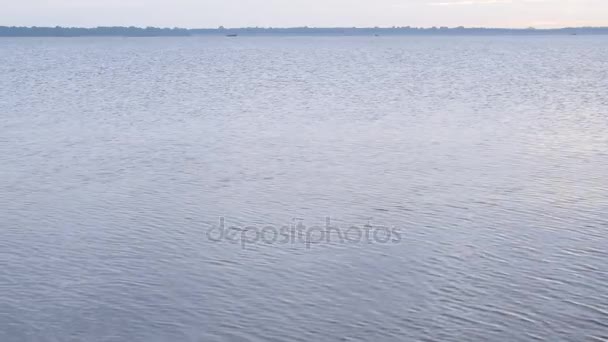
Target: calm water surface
x=489 y=154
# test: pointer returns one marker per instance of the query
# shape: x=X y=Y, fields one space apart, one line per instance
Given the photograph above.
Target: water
x=489 y=155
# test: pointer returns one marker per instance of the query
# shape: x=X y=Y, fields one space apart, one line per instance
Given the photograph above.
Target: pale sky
x=289 y=13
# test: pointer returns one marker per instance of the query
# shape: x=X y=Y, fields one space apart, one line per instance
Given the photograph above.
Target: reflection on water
x=488 y=154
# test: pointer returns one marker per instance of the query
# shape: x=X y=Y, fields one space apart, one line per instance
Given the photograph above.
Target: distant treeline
x=119 y=31
x=58 y=31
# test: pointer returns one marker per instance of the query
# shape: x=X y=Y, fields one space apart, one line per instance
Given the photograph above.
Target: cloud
x=484 y=2
x=470 y=2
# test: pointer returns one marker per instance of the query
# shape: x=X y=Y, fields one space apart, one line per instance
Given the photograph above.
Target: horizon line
x=219 y=28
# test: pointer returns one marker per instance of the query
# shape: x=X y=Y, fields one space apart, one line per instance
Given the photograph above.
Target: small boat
x=232 y=35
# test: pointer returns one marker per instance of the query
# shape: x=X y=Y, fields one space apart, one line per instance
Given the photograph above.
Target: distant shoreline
x=120 y=31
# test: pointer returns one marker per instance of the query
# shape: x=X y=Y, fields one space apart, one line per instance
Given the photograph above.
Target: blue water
x=488 y=156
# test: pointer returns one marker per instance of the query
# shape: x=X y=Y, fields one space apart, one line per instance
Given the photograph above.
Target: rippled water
x=488 y=154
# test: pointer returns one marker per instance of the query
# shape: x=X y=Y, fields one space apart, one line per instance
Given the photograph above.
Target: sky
x=313 y=13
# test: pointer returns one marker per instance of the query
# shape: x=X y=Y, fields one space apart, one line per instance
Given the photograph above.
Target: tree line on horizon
x=120 y=31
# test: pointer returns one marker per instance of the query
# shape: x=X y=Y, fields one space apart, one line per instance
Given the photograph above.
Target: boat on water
x=232 y=35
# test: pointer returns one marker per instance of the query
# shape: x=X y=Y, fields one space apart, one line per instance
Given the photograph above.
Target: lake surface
x=486 y=157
